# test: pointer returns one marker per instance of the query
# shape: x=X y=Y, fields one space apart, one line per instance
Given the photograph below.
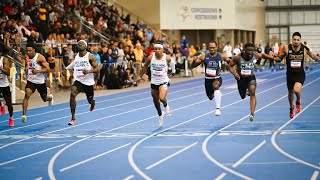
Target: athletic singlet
x=4 y=82
x=212 y=66
x=159 y=69
x=246 y=67
x=37 y=78
x=80 y=64
x=295 y=59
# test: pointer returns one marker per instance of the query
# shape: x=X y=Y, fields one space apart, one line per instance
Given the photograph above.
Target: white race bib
x=1 y=76
x=295 y=64
x=245 y=72
x=79 y=73
x=157 y=73
x=211 y=72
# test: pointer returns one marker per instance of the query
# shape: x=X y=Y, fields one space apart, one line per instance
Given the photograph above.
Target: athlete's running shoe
x=50 y=102
x=11 y=122
x=2 y=108
x=168 y=110
x=72 y=122
x=218 y=112
x=291 y=112
x=298 y=107
x=91 y=107
x=161 y=120
x=251 y=117
x=23 y=118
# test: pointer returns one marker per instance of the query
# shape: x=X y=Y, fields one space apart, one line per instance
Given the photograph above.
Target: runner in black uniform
x=246 y=79
x=294 y=54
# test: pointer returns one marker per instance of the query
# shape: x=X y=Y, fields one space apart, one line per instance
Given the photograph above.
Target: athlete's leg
x=156 y=100
x=25 y=102
x=73 y=103
x=7 y=98
x=217 y=93
x=242 y=88
x=163 y=91
x=253 y=99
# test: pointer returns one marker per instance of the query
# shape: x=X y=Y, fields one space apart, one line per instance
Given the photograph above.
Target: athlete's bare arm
x=168 y=58
x=235 y=60
x=41 y=60
x=311 y=54
x=94 y=64
x=145 y=67
x=225 y=58
x=6 y=68
x=282 y=55
x=265 y=56
x=197 y=60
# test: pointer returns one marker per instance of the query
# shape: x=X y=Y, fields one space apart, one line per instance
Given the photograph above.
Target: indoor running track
x=121 y=138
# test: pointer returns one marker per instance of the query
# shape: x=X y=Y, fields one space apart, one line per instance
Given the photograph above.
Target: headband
x=83 y=42
x=158 y=46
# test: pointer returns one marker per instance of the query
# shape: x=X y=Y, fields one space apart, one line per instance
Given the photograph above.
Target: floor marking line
x=171 y=156
x=93 y=158
x=248 y=154
x=30 y=155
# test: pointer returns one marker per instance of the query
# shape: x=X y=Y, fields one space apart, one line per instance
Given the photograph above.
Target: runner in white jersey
x=37 y=68
x=158 y=62
x=84 y=65
x=5 y=88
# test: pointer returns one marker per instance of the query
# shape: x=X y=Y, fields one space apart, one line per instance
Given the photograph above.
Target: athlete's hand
x=237 y=77
x=85 y=72
x=34 y=71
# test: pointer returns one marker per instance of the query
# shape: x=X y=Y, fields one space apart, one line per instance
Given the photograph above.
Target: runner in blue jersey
x=246 y=80
x=212 y=62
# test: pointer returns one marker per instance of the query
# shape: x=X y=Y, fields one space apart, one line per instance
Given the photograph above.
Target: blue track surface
x=121 y=138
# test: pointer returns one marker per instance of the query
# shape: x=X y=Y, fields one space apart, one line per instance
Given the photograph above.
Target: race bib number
x=246 y=72
x=295 y=64
x=79 y=73
x=1 y=76
x=211 y=72
x=157 y=73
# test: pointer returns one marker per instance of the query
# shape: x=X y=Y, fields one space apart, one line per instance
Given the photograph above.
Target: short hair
x=31 y=44
x=247 y=45
x=214 y=42
x=296 y=34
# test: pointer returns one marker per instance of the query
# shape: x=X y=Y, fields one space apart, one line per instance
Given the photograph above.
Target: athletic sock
x=217 y=98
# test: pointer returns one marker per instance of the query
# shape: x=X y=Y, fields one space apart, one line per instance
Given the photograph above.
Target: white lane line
x=143 y=175
x=243 y=158
x=98 y=109
x=264 y=163
x=275 y=145
x=39 y=178
x=171 y=156
x=248 y=154
x=164 y=147
x=49 y=112
x=221 y=176
x=314 y=175
x=205 y=142
x=94 y=157
x=30 y=155
x=129 y=177
x=103 y=118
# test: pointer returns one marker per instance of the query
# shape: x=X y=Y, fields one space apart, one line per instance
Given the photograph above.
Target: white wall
x=200 y=14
